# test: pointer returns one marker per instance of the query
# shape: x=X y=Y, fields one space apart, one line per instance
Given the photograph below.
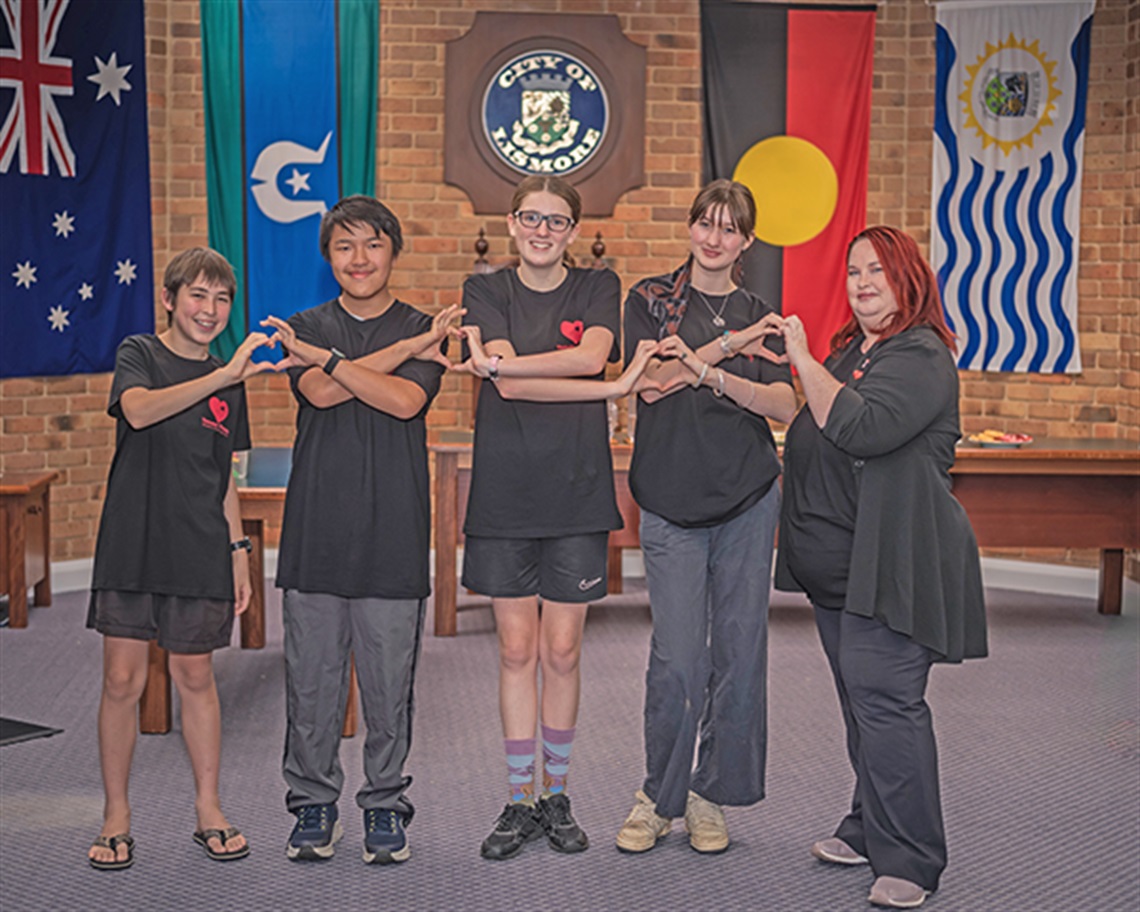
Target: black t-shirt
x=357 y=510
x=821 y=492
x=163 y=529
x=700 y=460
x=541 y=469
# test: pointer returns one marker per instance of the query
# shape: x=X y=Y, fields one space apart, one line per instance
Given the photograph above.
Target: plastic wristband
x=242 y=544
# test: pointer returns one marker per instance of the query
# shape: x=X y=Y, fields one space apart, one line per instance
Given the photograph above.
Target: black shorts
x=571 y=568
x=182 y=625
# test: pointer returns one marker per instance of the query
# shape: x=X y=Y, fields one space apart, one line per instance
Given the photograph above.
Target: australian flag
x=76 y=270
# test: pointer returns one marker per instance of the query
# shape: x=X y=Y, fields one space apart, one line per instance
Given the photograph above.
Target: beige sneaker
x=704 y=820
x=835 y=851
x=897 y=893
x=643 y=827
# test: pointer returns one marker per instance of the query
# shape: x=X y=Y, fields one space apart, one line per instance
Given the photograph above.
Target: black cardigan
x=914 y=561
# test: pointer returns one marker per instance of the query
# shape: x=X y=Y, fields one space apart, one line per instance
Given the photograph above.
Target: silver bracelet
x=726 y=345
x=701 y=376
x=719 y=391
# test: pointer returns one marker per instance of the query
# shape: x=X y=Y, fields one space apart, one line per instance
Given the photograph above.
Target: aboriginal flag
x=787 y=100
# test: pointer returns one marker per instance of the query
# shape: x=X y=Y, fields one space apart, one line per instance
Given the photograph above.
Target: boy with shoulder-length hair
x=171 y=563
x=353 y=561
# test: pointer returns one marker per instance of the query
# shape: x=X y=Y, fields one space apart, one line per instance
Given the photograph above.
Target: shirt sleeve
x=427 y=375
x=484 y=297
x=241 y=428
x=903 y=391
x=604 y=306
x=132 y=368
x=639 y=322
x=305 y=326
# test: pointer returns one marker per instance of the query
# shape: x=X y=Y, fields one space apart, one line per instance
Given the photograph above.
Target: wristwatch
x=242 y=544
x=334 y=359
x=493 y=368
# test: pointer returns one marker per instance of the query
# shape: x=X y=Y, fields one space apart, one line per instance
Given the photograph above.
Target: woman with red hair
x=870 y=531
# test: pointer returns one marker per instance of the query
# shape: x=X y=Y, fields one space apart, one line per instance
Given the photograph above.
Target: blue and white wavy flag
x=1009 y=125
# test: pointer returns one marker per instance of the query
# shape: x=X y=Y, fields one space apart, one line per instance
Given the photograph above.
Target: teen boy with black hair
x=353 y=560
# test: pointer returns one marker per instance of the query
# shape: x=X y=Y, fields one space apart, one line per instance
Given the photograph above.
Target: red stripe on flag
x=830 y=58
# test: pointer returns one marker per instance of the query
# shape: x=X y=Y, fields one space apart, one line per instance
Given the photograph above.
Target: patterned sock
x=520 y=768
x=556 y=744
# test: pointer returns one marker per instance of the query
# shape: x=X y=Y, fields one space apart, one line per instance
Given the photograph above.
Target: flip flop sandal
x=113 y=843
x=203 y=837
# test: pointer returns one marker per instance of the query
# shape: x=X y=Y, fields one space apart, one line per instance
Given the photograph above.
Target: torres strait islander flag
x=290 y=96
x=1011 y=84
x=787 y=93
x=75 y=243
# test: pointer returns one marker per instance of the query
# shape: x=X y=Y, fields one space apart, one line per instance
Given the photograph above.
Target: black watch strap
x=334 y=359
x=242 y=544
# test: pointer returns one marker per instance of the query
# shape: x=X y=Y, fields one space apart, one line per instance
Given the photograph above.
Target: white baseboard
x=998 y=573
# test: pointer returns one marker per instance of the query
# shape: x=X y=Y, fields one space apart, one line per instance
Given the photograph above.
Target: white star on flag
x=111 y=78
x=86 y=291
x=125 y=271
x=63 y=223
x=298 y=181
x=25 y=274
x=58 y=318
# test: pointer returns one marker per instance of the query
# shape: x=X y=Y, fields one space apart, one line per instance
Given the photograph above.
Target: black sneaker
x=315 y=834
x=516 y=826
x=562 y=831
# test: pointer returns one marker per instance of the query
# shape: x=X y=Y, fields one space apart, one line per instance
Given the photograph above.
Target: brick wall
x=59 y=423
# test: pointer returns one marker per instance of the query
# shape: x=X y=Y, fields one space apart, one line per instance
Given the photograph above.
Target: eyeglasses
x=528 y=218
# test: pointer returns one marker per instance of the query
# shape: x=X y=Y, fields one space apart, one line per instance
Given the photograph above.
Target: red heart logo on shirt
x=572 y=330
x=220 y=408
x=856 y=373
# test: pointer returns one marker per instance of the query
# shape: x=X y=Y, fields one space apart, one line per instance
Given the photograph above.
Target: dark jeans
x=896 y=812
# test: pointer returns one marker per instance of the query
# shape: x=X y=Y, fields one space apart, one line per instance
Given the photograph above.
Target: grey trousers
x=707 y=682
x=384 y=637
x=896 y=813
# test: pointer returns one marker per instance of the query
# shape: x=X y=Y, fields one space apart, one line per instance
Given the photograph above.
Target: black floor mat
x=12 y=731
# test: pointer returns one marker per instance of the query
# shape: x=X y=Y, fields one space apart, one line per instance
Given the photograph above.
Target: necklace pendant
x=718 y=321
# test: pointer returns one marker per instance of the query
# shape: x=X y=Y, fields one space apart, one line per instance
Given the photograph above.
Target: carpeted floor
x=1040 y=762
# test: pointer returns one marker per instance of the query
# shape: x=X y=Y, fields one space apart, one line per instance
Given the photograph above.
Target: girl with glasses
x=542 y=499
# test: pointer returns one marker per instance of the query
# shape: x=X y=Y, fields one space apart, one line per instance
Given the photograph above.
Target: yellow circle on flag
x=795 y=187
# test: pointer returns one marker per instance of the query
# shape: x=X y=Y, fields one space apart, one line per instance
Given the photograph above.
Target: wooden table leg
x=350 y=710
x=1111 y=589
x=446 y=541
x=613 y=570
x=42 y=591
x=154 y=707
x=16 y=584
x=253 y=621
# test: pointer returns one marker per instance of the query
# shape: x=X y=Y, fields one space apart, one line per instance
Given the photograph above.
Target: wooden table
x=1050 y=494
x=262 y=496
x=25 y=541
x=1057 y=494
